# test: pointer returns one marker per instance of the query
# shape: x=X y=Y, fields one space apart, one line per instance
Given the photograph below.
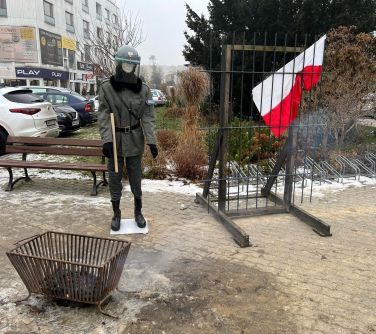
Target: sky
x=163 y=23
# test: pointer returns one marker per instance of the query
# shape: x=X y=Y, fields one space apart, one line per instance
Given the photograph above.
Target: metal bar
x=267 y=48
x=271 y=210
x=213 y=161
x=275 y=172
x=240 y=237
x=290 y=163
x=318 y=225
x=224 y=119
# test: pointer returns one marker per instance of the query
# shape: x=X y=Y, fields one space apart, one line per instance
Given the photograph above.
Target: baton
x=114 y=142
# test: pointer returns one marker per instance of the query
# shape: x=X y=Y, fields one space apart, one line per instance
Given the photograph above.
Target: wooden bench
x=57 y=147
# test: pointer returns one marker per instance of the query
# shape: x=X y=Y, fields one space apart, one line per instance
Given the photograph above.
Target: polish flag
x=278 y=97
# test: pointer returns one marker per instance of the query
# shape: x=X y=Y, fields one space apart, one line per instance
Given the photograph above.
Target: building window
x=48 y=12
x=107 y=18
x=99 y=11
x=99 y=33
x=86 y=29
x=3 y=7
x=72 y=59
x=115 y=19
x=85 y=6
x=69 y=21
x=69 y=1
x=87 y=52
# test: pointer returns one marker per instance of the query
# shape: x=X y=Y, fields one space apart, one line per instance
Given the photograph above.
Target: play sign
x=36 y=72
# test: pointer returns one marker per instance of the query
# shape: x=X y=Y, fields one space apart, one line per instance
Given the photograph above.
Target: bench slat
x=88 y=152
x=54 y=141
x=52 y=165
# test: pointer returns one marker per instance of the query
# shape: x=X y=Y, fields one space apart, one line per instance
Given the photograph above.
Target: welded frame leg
x=238 y=234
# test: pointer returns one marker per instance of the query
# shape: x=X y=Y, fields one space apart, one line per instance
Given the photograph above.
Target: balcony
x=49 y=20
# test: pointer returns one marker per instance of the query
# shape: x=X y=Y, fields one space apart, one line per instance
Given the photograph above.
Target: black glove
x=153 y=150
x=108 y=150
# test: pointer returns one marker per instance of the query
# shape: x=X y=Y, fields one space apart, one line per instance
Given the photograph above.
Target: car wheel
x=82 y=121
x=3 y=141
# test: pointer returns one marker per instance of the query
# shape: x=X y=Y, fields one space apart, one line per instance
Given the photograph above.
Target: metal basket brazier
x=73 y=267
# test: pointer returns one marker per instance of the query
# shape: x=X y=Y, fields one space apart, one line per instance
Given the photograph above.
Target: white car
x=25 y=114
x=158 y=97
x=95 y=99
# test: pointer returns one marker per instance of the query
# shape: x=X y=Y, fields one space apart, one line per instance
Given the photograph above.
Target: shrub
x=155 y=168
x=174 y=112
x=167 y=140
x=190 y=160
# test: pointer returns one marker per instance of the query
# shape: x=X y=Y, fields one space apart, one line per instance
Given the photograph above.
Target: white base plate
x=129 y=226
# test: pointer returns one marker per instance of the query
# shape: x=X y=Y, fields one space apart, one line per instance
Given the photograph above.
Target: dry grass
x=155 y=168
x=193 y=85
x=190 y=162
x=190 y=158
x=167 y=140
x=175 y=112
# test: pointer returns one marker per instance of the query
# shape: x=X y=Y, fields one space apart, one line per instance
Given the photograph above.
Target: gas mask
x=128 y=68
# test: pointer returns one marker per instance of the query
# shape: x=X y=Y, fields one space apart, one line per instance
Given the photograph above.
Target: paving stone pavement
x=329 y=283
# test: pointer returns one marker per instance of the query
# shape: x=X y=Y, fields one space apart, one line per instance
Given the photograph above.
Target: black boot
x=115 y=223
x=140 y=220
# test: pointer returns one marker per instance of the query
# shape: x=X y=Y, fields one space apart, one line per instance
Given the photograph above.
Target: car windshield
x=23 y=96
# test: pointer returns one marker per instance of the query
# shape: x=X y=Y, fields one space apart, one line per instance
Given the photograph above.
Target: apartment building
x=47 y=42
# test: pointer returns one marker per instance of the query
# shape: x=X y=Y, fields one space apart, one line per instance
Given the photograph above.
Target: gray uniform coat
x=130 y=105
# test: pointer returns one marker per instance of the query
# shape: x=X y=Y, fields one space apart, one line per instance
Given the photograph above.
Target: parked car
x=67 y=118
x=95 y=100
x=23 y=113
x=158 y=97
x=58 y=95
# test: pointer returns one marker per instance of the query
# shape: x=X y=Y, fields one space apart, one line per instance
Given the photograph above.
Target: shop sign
x=68 y=43
x=50 y=48
x=35 y=72
x=84 y=66
x=18 y=44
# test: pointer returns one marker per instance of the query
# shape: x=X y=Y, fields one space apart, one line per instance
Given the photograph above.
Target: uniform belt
x=128 y=128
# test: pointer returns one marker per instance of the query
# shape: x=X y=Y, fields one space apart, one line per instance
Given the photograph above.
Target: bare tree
x=101 y=42
x=156 y=72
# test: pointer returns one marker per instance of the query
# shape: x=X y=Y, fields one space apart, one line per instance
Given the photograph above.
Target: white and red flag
x=278 y=97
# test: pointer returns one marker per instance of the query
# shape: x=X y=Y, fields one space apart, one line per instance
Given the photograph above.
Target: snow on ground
x=180 y=186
